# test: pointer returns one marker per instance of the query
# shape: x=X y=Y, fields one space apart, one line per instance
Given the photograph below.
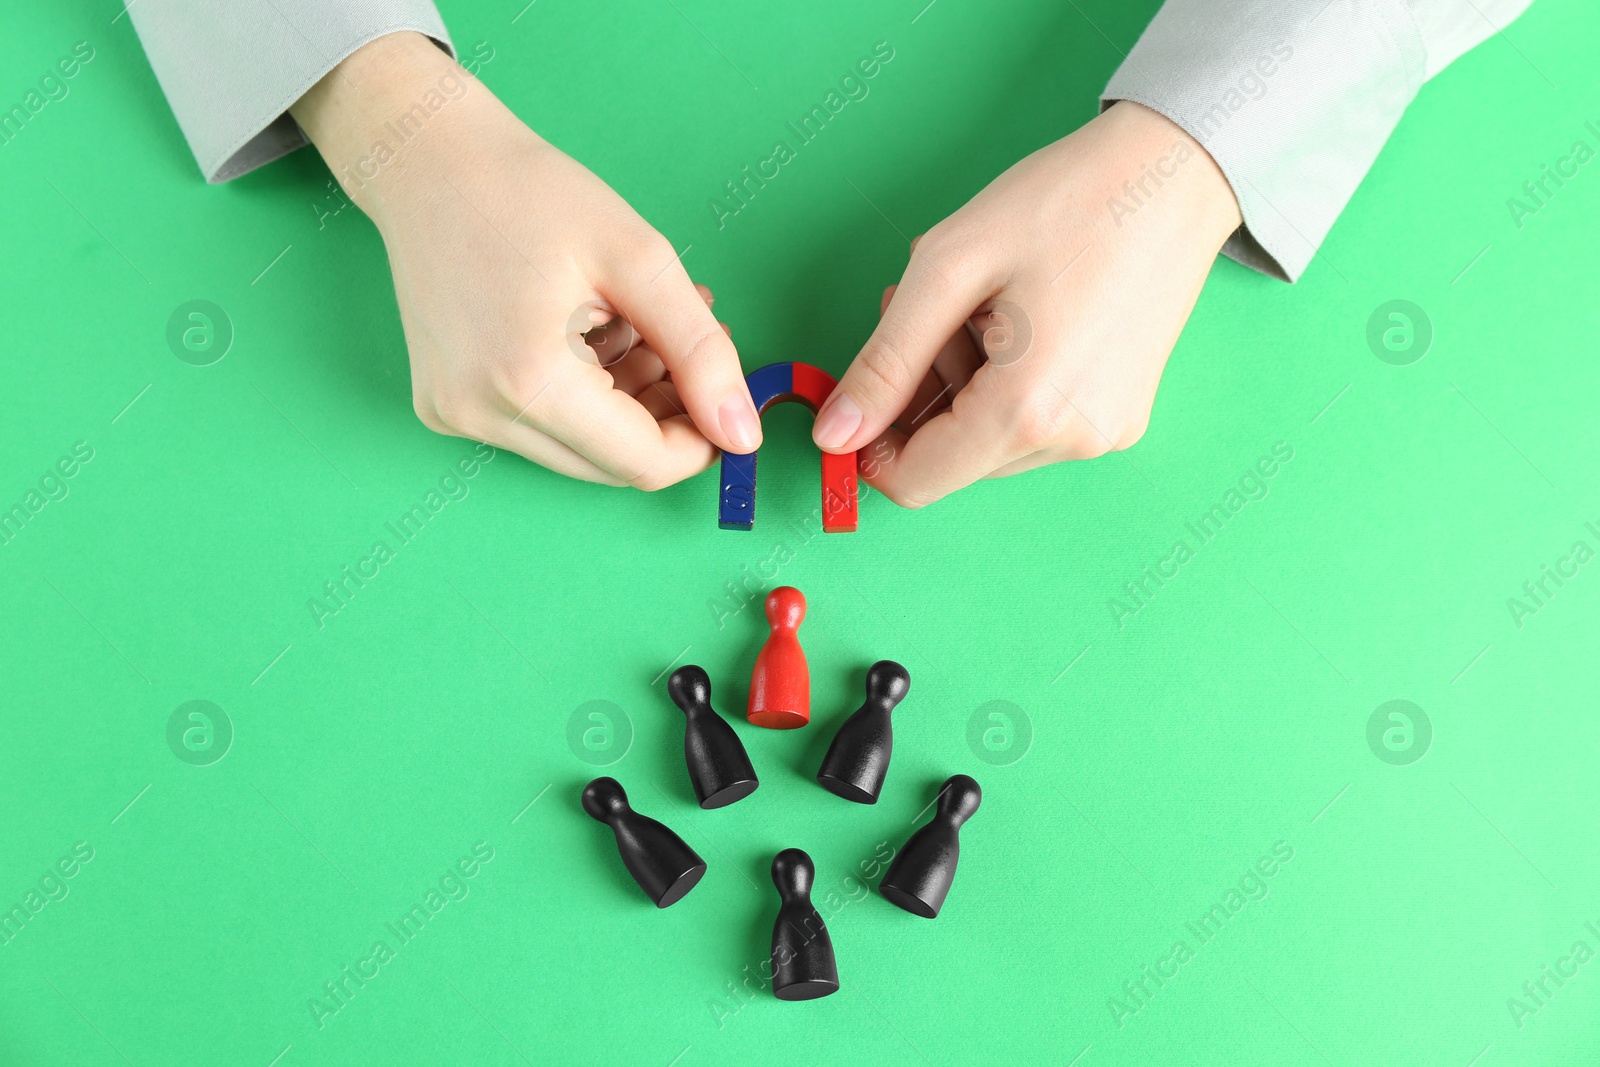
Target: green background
x=1161 y=759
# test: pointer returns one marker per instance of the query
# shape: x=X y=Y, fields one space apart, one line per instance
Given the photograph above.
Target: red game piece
x=780 y=685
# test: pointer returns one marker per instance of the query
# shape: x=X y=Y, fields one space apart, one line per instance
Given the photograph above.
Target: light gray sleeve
x=1295 y=98
x=231 y=68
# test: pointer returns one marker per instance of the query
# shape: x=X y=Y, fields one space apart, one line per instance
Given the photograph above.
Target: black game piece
x=858 y=758
x=802 y=953
x=920 y=875
x=664 y=866
x=719 y=769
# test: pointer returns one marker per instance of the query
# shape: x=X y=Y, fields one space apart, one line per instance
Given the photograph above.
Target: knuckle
x=1090 y=446
x=963 y=268
x=941 y=240
x=518 y=384
x=1133 y=432
x=912 y=498
x=651 y=479
x=951 y=256
x=705 y=350
x=884 y=367
x=650 y=483
x=459 y=415
x=649 y=255
x=424 y=408
x=1042 y=419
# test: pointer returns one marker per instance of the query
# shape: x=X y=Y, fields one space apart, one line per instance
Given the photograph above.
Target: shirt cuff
x=1293 y=101
x=230 y=69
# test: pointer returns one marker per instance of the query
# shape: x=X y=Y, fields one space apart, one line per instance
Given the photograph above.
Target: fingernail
x=838 y=421
x=740 y=423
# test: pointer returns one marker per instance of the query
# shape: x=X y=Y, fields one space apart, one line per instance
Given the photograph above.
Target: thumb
x=925 y=309
x=673 y=318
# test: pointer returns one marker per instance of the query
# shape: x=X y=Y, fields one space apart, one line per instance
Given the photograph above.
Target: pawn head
x=690 y=687
x=959 y=798
x=786 y=606
x=793 y=872
x=887 y=682
x=604 y=799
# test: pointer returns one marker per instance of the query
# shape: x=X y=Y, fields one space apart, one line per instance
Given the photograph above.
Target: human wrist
x=378 y=109
x=1161 y=155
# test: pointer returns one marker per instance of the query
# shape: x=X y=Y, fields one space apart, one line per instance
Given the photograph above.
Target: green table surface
x=1138 y=771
